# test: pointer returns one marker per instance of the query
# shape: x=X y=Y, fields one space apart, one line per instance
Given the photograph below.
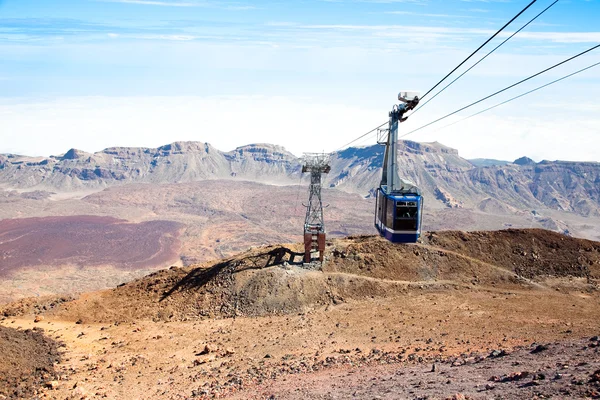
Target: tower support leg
x=321 y=245
x=307 y=246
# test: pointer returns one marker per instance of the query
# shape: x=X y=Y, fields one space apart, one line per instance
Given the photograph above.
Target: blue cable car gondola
x=399 y=204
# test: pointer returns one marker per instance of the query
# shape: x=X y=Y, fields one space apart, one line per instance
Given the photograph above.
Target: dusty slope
x=28 y=358
x=374 y=303
x=270 y=280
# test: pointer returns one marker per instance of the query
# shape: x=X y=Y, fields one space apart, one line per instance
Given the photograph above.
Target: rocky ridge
x=445 y=177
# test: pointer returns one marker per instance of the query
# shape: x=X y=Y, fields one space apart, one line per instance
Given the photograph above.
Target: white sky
x=299 y=124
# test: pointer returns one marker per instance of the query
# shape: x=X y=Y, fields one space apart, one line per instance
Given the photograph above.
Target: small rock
x=79 y=393
x=229 y=352
x=52 y=384
x=498 y=353
x=458 y=362
x=207 y=349
x=515 y=376
x=539 y=377
x=200 y=361
x=539 y=348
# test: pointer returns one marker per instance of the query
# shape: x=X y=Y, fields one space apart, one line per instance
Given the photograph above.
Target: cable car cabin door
x=398 y=217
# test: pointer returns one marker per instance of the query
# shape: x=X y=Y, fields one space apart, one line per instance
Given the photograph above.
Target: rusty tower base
x=314 y=241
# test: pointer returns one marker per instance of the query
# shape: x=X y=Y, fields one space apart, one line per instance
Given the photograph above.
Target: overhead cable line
x=521 y=95
x=361 y=136
x=503 y=90
x=479 y=48
x=458 y=66
x=484 y=57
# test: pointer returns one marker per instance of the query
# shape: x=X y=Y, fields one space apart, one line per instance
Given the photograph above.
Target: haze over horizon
x=309 y=76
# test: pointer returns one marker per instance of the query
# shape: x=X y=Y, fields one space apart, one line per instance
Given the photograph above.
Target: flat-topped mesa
x=184 y=147
x=587 y=164
x=262 y=152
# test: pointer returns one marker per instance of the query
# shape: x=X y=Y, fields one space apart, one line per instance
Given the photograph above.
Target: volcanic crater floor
x=505 y=314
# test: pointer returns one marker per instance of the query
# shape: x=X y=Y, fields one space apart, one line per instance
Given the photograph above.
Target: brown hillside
x=271 y=280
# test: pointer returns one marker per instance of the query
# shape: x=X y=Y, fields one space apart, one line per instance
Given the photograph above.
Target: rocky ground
x=510 y=314
x=565 y=369
x=28 y=358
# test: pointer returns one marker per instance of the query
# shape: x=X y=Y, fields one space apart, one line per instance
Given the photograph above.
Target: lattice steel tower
x=314 y=225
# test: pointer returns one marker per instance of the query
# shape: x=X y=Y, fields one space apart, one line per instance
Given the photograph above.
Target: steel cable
x=479 y=48
x=484 y=57
x=521 y=95
x=503 y=90
x=437 y=84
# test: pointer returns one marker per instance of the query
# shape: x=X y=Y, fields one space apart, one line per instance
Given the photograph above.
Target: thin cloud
x=426 y=14
x=561 y=37
x=156 y=3
x=163 y=3
x=240 y=8
x=403 y=30
x=419 y=2
x=486 y=1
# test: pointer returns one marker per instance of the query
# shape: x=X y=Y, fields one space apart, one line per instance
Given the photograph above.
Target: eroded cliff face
x=172 y=163
x=446 y=179
x=264 y=163
x=568 y=186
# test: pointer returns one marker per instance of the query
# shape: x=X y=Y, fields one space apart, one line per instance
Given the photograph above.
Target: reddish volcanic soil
x=86 y=241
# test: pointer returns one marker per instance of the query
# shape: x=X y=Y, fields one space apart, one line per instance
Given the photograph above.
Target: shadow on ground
x=199 y=277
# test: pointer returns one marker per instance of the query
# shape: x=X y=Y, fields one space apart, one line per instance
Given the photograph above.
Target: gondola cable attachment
x=399 y=204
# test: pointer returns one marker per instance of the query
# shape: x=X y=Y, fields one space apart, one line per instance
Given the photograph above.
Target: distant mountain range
x=448 y=180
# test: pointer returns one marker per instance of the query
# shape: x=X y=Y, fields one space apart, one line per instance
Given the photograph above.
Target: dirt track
x=379 y=310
